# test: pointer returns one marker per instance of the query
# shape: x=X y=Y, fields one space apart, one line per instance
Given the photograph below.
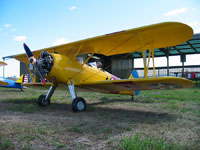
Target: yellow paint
x=20 y=80
x=78 y=51
x=2 y=63
x=138 y=84
x=2 y=83
x=161 y=35
x=127 y=93
x=88 y=58
x=65 y=69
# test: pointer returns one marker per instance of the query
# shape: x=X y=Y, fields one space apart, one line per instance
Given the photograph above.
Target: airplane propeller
x=33 y=61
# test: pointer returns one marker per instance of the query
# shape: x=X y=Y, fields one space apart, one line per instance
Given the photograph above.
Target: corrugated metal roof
x=192 y=46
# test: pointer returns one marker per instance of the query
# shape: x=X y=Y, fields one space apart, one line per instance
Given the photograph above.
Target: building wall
x=23 y=69
x=120 y=67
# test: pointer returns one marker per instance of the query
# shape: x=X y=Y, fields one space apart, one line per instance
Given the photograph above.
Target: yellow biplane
x=59 y=65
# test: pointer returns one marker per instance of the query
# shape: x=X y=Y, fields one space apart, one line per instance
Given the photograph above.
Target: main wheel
x=42 y=101
x=78 y=104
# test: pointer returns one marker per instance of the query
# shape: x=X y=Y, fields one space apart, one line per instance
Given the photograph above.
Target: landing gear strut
x=78 y=103
x=43 y=99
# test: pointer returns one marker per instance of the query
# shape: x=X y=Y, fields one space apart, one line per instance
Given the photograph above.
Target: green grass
x=168 y=119
x=146 y=142
x=6 y=143
x=192 y=94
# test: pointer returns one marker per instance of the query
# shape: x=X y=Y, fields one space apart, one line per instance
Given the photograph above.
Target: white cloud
x=20 y=38
x=60 y=41
x=176 y=12
x=73 y=8
x=7 y=25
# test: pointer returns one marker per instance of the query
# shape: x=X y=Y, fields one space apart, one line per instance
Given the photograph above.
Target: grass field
x=156 y=120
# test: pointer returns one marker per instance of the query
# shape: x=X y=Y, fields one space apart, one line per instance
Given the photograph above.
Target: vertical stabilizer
x=134 y=75
x=20 y=80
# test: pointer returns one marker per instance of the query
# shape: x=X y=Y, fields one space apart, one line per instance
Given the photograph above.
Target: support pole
x=29 y=72
x=167 y=61
x=183 y=59
x=132 y=63
x=182 y=67
x=154 y=69
x=3 y=68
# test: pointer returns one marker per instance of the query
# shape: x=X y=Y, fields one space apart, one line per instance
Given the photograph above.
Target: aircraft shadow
x=6 y=90
x=93 y=109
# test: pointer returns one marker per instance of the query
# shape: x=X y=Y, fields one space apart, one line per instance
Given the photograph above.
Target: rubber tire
x=42 y=102
x=77 y=101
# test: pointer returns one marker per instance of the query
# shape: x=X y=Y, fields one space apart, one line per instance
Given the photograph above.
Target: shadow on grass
x=20 y=101
x=93 y=110
x=6 y=90
x=127 y=100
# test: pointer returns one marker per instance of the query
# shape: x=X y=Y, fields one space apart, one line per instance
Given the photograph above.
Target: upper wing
x=2 y=63
x=143 y=38
x=117 y=86
x=3 y=83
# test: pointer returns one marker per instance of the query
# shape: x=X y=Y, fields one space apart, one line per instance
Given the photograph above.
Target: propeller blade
x=33 y=61
x=28 y=51
x=29 y=54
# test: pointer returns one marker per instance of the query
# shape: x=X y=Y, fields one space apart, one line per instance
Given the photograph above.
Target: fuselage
x=12 y=83
x=65 y=69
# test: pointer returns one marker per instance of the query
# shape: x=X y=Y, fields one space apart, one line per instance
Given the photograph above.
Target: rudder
x=20 y=80
x=134 y=75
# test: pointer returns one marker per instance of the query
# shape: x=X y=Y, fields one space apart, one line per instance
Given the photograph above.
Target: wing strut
x=79 y=49
x=88 y=58
x=154 y=70
x=144 y=55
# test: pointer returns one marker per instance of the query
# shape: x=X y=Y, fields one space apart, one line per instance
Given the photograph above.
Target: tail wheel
x=42 y=101
x=78 y=104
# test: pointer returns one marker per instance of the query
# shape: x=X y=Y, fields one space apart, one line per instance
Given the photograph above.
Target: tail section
x=25 y=80
x=134 y=75
x=20 y=80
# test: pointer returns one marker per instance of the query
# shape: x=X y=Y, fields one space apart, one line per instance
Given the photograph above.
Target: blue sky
x=44 y=23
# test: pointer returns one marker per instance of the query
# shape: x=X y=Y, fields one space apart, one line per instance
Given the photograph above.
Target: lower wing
x=123 y=86
x=3 y=83
x=127 y=86
x=37 y=84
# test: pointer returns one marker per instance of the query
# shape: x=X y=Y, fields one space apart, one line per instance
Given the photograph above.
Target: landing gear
x=133 y=98
x=44 y=100
x=78 y=104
